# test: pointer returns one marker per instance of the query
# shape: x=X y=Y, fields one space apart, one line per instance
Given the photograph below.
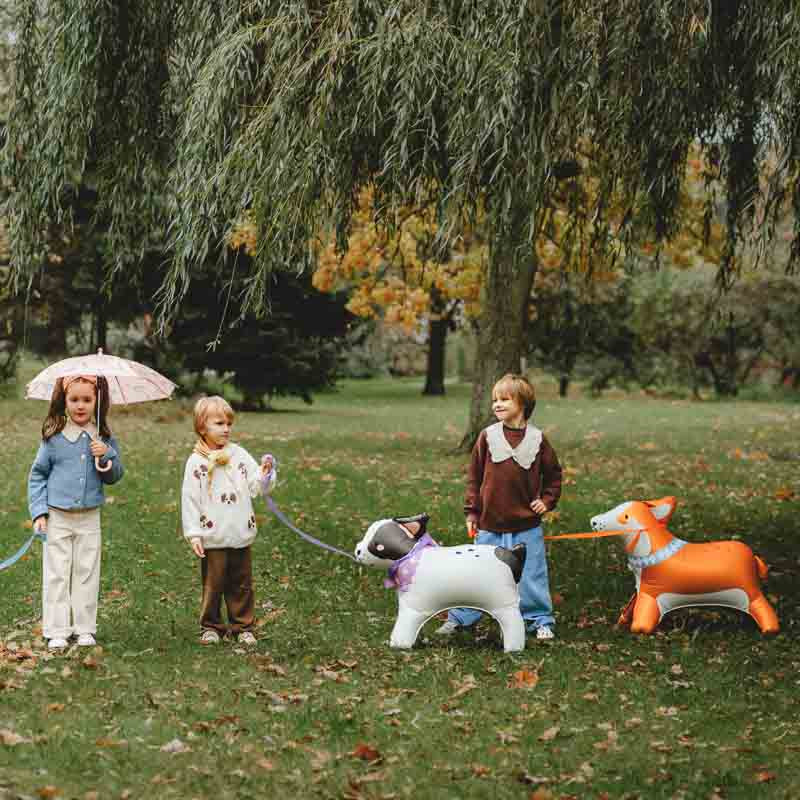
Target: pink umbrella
x=128 y=381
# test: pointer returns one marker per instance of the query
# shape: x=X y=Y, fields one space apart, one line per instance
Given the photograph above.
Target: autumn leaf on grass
x=174 y=746
x=536 y=780
x=541 y=794
x=466 y=685
x=47 y=792
x=764 y=776
x=365 y=752
x=480 y=771
x=524 y=679
x=320 y=759
x=784 y=493
x=104 y=742
x=550 y=734
x=11 y=738
x=265 y=763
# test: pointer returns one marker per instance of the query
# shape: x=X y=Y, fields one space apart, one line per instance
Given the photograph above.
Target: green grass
x=323 y=708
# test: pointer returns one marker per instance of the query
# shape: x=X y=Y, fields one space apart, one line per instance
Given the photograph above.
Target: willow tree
x=287 y=110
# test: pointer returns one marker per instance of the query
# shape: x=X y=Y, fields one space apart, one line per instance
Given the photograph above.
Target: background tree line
x=577 y=122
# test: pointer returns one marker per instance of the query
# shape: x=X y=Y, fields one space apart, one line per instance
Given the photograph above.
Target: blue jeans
x=534 y=591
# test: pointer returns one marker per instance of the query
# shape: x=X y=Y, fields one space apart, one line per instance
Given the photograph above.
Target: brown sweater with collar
x=499 y=495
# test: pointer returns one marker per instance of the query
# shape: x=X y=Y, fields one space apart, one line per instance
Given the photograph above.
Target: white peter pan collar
x=524 y=453
x=72 y=432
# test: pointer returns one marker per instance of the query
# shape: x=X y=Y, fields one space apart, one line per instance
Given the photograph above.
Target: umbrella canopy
x=128 y=381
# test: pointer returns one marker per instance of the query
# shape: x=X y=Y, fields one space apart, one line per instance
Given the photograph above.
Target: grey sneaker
x=86 y=640
x=57 y=643
x=545 y=632
x=245 y=637
x=209 y=637
x=448 y=628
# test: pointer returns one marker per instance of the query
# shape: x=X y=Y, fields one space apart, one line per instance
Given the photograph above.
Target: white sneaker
x=209 y=637
x=57 y=643
x=448 y=628
x=245 y=637
x=545 y=632
x=86 y=640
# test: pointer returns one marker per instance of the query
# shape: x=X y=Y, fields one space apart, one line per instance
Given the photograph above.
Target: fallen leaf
x=265 y=763
x=46 y=792
x=764 y=776
x=550 y=734
x=365 y=752
x=466 y=685
x=524 y=679
x=11 y=738
x=174 y=746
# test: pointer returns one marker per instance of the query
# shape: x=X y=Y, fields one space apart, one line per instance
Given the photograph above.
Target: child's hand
x=98 y=448
x=267 y=463
x=538 y=506
x=40 y=524
x=472 y=527
x=197 y=547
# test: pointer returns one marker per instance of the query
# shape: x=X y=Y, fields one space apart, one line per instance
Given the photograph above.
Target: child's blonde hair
x=205 y=407
x=519 y=389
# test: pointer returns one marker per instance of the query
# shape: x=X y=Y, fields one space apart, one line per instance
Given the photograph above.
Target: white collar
x=524 y=453
x=72 y=431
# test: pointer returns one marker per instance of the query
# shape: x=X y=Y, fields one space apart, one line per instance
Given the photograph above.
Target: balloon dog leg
x=407 y=626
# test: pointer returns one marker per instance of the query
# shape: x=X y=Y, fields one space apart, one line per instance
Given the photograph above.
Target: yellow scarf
x=216 y=458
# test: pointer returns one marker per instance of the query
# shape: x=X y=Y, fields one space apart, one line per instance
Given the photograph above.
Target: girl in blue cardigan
x=65 y=492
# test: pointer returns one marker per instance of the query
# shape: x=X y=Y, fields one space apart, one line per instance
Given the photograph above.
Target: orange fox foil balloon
x=671 y=573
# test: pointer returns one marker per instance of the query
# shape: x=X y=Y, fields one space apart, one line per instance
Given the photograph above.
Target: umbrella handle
x=97 y=466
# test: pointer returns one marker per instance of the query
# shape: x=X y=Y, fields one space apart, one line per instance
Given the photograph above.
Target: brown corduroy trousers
x=227 y=572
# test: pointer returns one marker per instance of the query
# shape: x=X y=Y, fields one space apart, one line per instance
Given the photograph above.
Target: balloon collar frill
x=401 y=573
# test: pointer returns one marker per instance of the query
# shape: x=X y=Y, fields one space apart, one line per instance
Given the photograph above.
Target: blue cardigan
x=63 y=475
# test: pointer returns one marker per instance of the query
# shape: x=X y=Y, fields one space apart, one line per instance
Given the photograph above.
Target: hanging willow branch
x=185 y=114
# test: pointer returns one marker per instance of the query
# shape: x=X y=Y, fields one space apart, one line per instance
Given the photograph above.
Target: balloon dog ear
x=420 y=519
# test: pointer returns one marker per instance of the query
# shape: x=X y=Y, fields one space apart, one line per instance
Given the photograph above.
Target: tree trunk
x=434 y=372
x=501 y=339
x=563 y=385
x=54 y=284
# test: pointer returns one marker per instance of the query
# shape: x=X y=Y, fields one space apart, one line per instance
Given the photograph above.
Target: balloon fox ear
x=416 y=525
x=662 y=508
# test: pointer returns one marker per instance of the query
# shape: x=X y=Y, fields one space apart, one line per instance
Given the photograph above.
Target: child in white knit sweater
x=219 y=482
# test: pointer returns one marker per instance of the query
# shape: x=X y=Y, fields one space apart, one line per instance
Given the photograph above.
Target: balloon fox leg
x=626 y=615
x=646 y=614
x=764 y=615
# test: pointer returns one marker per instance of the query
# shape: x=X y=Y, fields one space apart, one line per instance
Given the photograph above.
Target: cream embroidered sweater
x=223 y=517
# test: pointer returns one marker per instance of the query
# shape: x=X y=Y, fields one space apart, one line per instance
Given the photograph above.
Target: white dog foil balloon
x=430 y=579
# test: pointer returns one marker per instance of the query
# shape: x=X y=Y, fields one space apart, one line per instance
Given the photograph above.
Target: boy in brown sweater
x=514 y=478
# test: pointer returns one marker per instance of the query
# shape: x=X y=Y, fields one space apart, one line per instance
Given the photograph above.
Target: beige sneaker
x=245 y=637
x=209 y=637
x=57 y=643
x=86 y=640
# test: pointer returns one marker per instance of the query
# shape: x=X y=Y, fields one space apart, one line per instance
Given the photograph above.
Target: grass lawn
x=322 y=708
